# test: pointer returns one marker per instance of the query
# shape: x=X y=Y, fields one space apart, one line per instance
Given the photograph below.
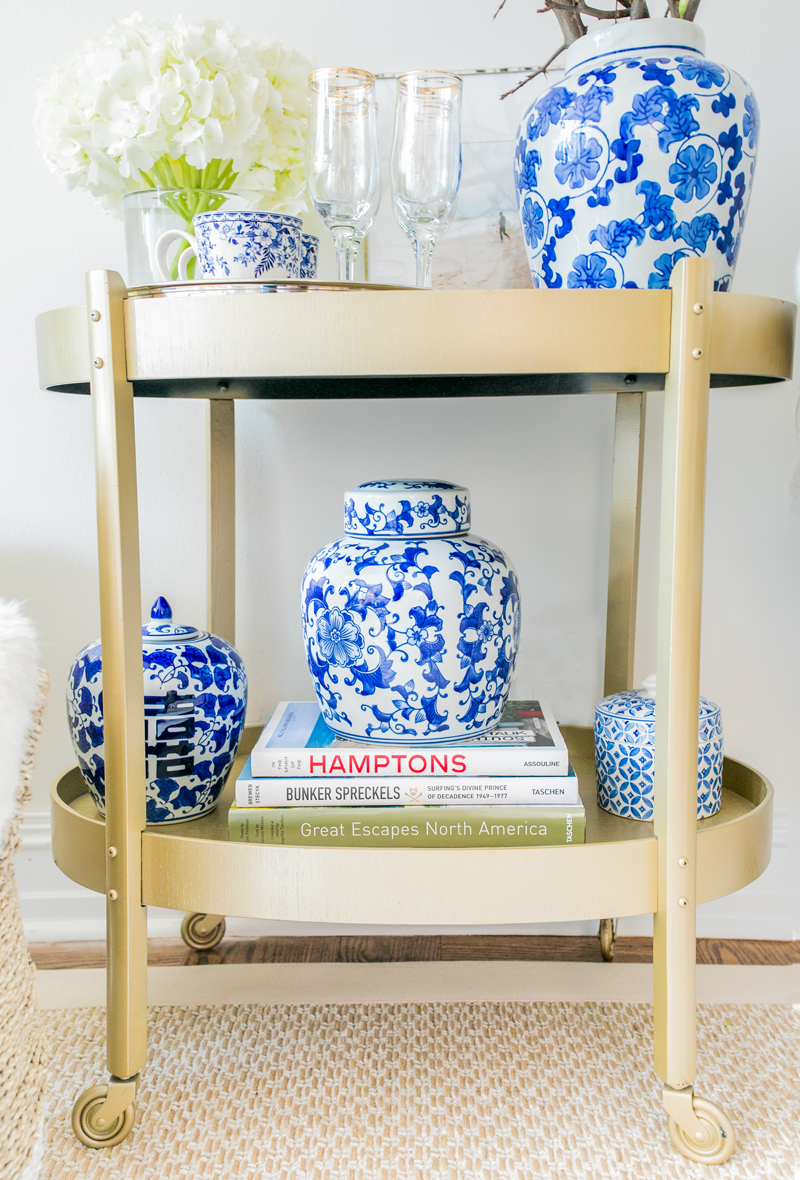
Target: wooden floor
x=416 y=948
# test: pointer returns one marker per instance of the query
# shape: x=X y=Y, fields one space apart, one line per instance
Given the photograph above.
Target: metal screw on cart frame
x=112 y=895
x=98 y=362
x=698 y=309
x=95 y=316
x=630 y=379
x=112 y=852
x=222 y=386
x=697 y=353
x=683 y=902
x=683 y=862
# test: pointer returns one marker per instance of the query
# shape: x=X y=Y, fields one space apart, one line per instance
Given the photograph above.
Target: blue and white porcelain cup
x=308 y=256
x=625 y=747
x=236 y=244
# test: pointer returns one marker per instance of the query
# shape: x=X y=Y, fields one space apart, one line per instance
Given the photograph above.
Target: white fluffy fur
x=19 y=660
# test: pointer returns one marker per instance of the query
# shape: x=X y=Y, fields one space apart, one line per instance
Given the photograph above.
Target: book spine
x=415 y=763
x=520 y=791
x=408 y=827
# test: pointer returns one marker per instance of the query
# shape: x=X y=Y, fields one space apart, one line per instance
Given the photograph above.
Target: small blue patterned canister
x=624 y=751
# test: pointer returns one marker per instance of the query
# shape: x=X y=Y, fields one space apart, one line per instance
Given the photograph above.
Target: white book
x=296 y=743
x=388 y=791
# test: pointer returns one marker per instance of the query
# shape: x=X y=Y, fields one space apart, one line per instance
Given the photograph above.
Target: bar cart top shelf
x=227 y=341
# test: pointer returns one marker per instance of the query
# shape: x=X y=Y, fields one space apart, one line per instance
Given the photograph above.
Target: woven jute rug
x=418 y=1091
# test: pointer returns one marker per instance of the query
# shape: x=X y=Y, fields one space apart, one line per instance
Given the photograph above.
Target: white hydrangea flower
x=147 y=95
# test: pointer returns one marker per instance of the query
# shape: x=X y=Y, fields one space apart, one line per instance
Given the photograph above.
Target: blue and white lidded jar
x=411 y=624
x=624 y=750
x=195 y=698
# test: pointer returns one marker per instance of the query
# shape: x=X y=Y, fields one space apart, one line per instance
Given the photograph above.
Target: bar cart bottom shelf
x=195 y=867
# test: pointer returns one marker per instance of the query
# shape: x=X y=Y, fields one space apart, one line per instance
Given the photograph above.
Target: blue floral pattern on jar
x=396 y=507
x=624 y=746
x=411 y=631
x=195 y=699
x=638 y=158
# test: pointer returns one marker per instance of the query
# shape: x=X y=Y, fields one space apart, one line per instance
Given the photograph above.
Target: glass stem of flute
x=423 y=254
x=347 y=243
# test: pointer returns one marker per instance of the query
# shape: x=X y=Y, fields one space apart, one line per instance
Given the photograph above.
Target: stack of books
x=513 y=787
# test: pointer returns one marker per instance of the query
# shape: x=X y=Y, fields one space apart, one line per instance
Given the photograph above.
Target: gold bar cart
x=389 y=343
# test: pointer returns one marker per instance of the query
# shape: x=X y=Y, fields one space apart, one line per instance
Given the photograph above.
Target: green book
x=408 y=827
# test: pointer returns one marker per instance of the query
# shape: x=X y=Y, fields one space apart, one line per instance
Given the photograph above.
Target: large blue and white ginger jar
x=411 y=623
x=642 y=155
x=195 y=698
x=624 y=749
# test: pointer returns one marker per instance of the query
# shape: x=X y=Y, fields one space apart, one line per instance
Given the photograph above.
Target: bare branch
x=691 y=10
x=584 y=10
x=571 y=25
x=673 y=8
x=536 y=73
x=500 y=9
x=639 y=10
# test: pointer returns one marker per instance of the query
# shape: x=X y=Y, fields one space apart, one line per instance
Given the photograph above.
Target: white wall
x=296 y=458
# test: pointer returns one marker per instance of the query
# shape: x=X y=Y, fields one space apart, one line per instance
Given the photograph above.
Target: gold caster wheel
x=608 y=936
x=202 y=932
x=89 y=1125
x=719 y=1140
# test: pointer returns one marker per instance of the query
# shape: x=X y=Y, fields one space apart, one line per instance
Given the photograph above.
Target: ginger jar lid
x=641 y=705
x=161 y=626
x=406 y=508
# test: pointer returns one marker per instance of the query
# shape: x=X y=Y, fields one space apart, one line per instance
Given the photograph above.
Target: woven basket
x=21 y=1037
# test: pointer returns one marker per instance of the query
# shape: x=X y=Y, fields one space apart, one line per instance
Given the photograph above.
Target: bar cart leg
x=202 y=932
x=623 y=568
x=623 y=555
x=221 y=519
x=698 y=1129
x=104 y=1115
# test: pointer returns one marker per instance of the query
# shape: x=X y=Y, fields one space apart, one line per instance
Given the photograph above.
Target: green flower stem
x=191 y=191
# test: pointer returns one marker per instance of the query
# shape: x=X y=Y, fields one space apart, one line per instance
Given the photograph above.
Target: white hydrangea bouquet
x=193 y=108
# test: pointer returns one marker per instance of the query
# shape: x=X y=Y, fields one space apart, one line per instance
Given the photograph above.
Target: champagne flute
x=342 y=164
x=426 y=160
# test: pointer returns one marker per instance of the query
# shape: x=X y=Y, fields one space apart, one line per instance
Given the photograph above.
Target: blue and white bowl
x=195 y=698
x=624 y=748
x=411 y=623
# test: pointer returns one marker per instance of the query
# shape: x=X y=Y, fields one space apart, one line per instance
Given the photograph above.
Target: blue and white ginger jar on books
x=624 y=748
x=195 y=698
x=642 y=154
x=411 y=623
